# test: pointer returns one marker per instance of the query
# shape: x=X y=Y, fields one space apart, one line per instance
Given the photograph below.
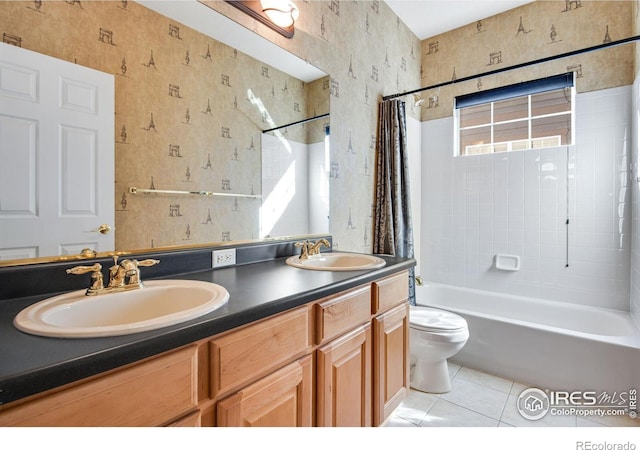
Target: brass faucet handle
x=148 y=262
x=304 y=246
x=115 y=260
x=97 y=283
x=323 y=243
x=314 y=248
x=79 y=270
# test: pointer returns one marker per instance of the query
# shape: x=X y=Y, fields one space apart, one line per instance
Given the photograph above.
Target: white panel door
x=56 y=156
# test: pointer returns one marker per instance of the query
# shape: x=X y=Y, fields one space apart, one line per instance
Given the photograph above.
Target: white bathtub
x=543 y=343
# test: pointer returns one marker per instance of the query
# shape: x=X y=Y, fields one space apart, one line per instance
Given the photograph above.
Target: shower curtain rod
x=296 y=123
x=517 y=66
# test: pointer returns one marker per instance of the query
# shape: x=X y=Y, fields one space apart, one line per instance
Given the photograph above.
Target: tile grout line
x=463 y=407
x=504 y=407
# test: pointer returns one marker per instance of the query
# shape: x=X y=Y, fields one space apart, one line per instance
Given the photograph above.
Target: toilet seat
x=435 y=320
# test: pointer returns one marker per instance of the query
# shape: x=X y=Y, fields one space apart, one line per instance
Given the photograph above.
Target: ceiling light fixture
x=279 y=15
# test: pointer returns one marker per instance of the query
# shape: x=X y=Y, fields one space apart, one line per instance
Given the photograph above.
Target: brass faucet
x=314 y=249
x=311 y=248
x=122 y=277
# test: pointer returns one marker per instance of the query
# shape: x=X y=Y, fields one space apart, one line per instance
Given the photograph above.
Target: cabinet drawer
x=343 y=312
x=389 y=292
x=151 y=393
x=255 y=350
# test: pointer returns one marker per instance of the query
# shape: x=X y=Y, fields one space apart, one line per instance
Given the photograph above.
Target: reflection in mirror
x=295 y=179
x=189 y=113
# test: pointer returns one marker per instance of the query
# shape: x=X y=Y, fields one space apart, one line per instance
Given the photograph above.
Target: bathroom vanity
x=292 y=347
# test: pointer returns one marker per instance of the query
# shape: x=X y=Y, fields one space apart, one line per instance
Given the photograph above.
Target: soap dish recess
x=507 y=262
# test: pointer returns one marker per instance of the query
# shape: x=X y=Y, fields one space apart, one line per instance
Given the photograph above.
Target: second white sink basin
x=337 y=261
x=158 y=304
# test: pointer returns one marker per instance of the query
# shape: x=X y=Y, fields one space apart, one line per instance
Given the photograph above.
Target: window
x=534 y=114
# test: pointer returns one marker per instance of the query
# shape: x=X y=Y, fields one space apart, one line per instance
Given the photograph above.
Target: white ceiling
x=427 y=18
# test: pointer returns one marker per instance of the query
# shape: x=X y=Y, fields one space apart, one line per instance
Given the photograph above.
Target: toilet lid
x=431 y=319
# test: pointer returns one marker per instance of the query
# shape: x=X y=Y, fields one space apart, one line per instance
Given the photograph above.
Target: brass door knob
x=104 y=229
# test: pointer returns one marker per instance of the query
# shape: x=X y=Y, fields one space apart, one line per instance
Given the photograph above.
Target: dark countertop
x=32 y=364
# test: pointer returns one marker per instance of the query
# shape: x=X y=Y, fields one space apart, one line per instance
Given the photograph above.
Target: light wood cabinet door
x=344 y=380
x=390 y=361
x=281 y=399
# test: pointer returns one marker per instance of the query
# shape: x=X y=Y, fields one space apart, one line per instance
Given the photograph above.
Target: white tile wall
x=517 y=203
x=285 y=168
x=635 y=196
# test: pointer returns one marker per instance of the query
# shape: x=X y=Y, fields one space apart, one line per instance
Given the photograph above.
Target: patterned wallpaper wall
x=187 y=115
x=528 y=33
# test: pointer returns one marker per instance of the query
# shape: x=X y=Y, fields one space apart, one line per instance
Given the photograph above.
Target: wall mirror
x=191 y=104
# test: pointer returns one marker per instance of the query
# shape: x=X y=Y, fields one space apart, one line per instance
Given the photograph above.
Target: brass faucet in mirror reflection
x=309 y=248
x=122 y=277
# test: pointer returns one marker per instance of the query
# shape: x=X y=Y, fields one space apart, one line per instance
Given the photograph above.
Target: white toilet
x=434 y=336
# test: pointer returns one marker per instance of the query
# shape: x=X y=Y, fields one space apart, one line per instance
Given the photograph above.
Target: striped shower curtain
x=393 y=229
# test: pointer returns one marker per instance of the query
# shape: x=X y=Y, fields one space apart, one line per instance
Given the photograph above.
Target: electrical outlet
x=226 y=257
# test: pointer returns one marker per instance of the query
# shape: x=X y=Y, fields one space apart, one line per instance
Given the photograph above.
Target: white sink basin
x=337 y=261
x=158 y=304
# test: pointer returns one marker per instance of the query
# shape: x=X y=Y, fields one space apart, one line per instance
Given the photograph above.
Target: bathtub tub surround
x=542 y=343
x=635 y=210
x=516 y=203
x=201 y=366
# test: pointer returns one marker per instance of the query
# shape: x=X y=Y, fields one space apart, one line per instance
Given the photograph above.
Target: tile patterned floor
x=478 y=399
